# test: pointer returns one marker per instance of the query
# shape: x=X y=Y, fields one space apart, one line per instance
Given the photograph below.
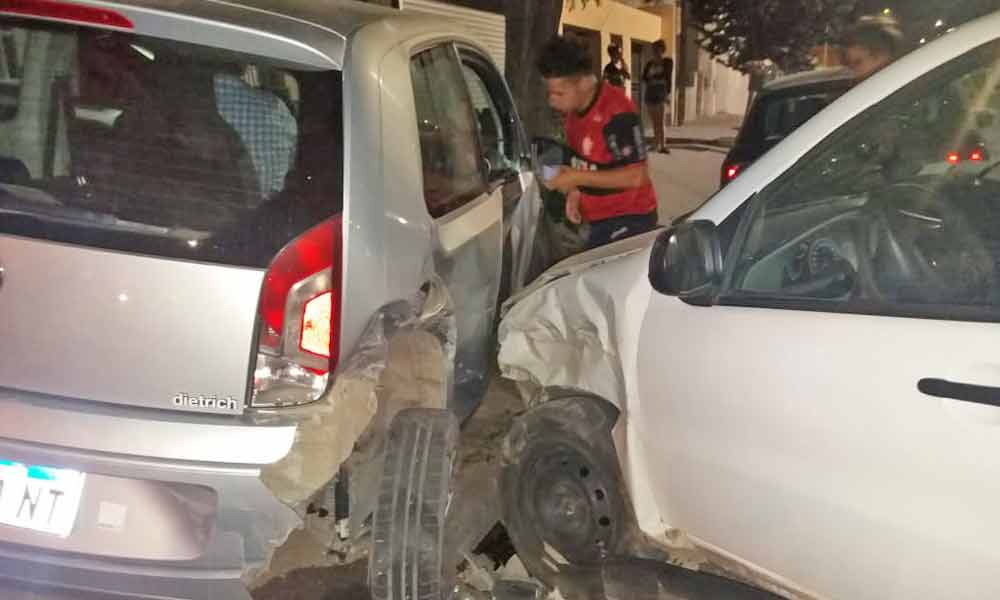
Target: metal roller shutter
x=489 y=29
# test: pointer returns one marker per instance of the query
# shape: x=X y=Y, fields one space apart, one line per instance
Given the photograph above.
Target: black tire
x=408 y=528
x=564 y=505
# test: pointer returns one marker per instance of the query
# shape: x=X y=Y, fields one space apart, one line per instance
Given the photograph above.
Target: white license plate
x=39 y=498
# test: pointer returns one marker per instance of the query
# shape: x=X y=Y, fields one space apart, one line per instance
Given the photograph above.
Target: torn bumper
x=404 y=360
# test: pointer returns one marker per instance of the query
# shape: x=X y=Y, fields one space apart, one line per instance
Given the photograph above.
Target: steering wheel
x=918 y=247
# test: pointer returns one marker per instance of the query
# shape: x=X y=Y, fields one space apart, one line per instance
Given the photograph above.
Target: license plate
x=40 y=498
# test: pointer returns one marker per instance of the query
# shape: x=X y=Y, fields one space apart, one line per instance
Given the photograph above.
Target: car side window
x=499 y=129
x=451 y=159
x=898 y=212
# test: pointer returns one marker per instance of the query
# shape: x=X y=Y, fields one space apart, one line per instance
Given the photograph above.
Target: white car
x=799 y=384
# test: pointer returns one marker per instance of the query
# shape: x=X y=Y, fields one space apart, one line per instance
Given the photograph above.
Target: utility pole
x=683 y=60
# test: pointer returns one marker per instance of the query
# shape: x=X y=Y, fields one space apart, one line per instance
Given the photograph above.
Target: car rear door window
x=898 y=212
x=158 y=147
x=498 y=125
x=451 y=158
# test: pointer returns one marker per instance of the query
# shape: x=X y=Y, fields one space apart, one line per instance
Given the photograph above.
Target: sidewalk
x=719 y=130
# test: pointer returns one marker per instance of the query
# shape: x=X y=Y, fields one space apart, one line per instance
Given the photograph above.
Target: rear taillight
x=976 y=156
x=300 y=319
x=730 y=171
x=315 y=336
x=953 y=158
x=65 y=11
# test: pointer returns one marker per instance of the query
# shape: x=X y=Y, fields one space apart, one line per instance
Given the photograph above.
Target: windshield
x=944 y=125
x=899 y=204
x=152 y=146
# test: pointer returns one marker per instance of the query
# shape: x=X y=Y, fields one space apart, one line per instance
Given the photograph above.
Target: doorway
x=641 y=53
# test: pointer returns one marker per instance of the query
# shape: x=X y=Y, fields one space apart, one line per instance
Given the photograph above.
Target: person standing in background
x=872 y=44
x=658 y=77
x=615 y=73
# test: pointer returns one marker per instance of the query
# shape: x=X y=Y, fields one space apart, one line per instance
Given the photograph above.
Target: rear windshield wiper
x=51 y=211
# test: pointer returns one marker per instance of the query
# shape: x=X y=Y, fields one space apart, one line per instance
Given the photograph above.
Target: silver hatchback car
x=237 y=241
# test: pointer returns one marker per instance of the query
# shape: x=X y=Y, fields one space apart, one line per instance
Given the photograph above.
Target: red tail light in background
x=976 y=156
x=730 y=171
x=65 y=11
x=954 y=158
x=300 y=319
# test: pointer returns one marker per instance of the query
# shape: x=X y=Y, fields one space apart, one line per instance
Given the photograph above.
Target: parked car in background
x=780 y=108
x=211 y=214
x=799 y=384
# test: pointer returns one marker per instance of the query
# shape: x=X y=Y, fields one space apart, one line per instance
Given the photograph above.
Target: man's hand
x=564 y=182
x=622 y=178
x=573 y=207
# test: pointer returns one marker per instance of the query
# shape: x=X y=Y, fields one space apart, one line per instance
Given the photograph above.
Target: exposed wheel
x=408 y=527
x=561 y=489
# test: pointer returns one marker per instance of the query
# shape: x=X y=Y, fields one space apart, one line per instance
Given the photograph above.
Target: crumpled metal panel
x=329 y=430
x=524 y=231
x=330 y=427
x=566 y=329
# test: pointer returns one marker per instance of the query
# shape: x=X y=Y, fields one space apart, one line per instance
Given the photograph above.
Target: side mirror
x=687 y=262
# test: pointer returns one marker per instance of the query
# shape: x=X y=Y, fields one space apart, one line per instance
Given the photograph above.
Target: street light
x=887 y=11
x=939 y=23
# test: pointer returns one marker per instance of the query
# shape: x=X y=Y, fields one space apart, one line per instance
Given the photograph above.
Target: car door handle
x=965 y=392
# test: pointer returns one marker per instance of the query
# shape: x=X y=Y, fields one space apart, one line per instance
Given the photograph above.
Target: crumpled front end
x=571 y=329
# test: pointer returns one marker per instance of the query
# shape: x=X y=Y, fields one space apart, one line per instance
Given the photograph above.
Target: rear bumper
x=170 y=508
x=85 y=584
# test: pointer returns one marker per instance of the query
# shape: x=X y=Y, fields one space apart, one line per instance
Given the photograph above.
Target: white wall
x=717 y=90
x=732 y=90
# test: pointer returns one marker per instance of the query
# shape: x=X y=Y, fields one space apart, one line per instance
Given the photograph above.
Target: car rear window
x=786 y=114
x=774 y=116
x=157 y=147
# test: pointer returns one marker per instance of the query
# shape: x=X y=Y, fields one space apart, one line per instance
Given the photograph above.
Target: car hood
x=577 y=325
x=584 y=261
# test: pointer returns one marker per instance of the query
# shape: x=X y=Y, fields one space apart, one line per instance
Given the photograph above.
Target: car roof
x=312 y=33
x=337 y=16
x=809 y=78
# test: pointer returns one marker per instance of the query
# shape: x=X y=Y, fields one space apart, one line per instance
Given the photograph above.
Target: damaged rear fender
x=404 y=359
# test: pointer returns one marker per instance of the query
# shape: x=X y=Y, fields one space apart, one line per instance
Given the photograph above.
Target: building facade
x=703 y=87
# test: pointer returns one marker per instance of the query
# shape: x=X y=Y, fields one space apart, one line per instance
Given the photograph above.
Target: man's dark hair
x=660 y=46
x=562 y=57
x=878 y=35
